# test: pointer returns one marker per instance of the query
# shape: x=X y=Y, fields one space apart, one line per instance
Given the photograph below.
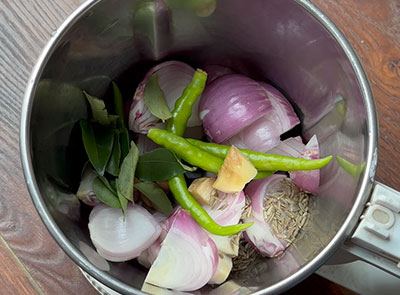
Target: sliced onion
x=291 y=147
x=173 y=77
x=260 y=136
x=118 y=239
x=308 y=180
x=260 y=234
x=188 y=257
x=228 y=209
x=283 y=108
x=231 y=103
x=216 y=71
x=264 y=134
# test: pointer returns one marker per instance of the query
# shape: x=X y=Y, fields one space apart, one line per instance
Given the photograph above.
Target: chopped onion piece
x=228 y=209
x=188 y=257
x=231 y=103
x=260 y=234
x=264 y=134
x=260 y=136
x=120 y=239
x=223 y=270
x=308 y=180
x=291 y=147
x=283 y=108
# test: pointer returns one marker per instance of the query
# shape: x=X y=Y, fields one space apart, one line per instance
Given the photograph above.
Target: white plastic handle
x=376 y=239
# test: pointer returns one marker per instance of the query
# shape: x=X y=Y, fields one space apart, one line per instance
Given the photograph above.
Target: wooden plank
x=15 y=278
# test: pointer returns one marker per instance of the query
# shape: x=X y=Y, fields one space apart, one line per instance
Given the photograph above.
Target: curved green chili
x=261 y=161
x=191 y=154
x=183 y=149
x=185 y=199
x=177 y=125
x=183 y=106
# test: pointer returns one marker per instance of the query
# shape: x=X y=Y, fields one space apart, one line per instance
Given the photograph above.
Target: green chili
x=264 y=162
x=185 y=199
x=183 y=106
x=183 y=149
x=190 y=153
x=177 y=125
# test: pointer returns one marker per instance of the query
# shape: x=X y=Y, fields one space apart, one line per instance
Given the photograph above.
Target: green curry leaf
x=113 y=162
x=156 y=196
x=125 y=181
x=98 y=141
x=104 y=194
x=158 y=165
x=154 y=99
x=99 y=111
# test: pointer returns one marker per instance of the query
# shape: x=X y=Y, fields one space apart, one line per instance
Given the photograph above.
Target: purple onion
x=231 y=103
x=260 y=234
x=308 y=180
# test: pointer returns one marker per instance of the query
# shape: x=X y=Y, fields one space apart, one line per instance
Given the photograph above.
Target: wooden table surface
x=30 y=261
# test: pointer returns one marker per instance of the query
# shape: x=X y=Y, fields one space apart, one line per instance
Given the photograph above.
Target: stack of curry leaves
x=115 y=157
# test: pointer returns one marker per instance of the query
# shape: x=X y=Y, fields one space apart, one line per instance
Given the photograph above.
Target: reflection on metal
x=151 y=24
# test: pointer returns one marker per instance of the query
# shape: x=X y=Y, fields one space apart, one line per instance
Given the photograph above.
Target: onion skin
x=260 y=234
x=229 y=104
x=118 y=239
x=188 y=257
x=173 y=77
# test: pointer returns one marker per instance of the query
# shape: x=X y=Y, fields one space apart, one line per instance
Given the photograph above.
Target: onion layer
x=259 y=234
x=264 y=134
x=231 y=103
x=308 y=180
x=188 y=257
x=118 y=239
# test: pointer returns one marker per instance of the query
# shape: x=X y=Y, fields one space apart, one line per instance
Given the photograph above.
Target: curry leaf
x=158 y=165
x=126 y=176
x=98 y=141
x=118 y=102
x=108 y=184
x=122 y=200
x=99 y=111
x=124 y=142
x=156 y=195
x=104 y=194
x=113 y=162
x=154 y=99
